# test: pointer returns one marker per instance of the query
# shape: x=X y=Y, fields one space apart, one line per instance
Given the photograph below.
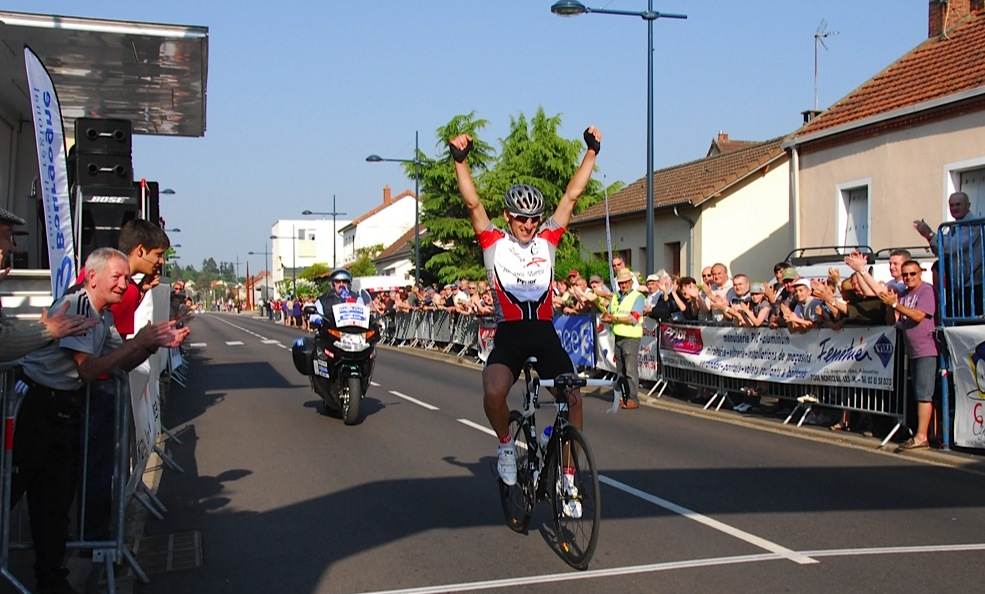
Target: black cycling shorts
x=516 y=341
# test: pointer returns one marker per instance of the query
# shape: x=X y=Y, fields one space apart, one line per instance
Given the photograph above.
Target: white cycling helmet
x=524 y=200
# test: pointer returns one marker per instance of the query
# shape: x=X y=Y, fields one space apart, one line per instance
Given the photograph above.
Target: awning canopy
x=152 y=74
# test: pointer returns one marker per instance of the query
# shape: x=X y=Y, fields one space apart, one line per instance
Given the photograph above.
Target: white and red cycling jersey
x=521 y=273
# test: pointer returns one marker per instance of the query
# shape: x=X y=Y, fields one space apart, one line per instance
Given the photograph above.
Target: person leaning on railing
x=49 y=435
x=20 y=337
x=960 y=247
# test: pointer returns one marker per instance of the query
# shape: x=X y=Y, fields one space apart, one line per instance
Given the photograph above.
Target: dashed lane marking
x=414 y=400
x=198 y=345
x=780 y=551
x=374 y=384
x=234 y=343
x=270 y=341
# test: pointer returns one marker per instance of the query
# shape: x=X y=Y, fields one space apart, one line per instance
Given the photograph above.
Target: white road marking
x=672 y=565
x=281 y=345
x=374 y=384
x=710 y=522
x=762 y=543
x=198 y=345
x=234 y=343
x=270 y=341
x=477 y=426
x=414 y=400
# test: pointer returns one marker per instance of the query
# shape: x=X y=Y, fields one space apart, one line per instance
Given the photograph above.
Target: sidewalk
x=953 y=459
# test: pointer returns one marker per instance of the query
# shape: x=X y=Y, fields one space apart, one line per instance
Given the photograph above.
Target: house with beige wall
x=895 y=148
x=731 y=207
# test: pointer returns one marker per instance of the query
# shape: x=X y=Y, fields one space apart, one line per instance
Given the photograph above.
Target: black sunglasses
x=909 y=274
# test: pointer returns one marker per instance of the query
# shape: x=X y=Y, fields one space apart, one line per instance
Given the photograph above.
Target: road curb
x=951 y=459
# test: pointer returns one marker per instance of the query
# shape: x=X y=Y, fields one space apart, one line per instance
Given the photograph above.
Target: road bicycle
x=561 y=471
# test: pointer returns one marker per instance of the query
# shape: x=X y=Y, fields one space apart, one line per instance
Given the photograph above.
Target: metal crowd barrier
x=890 y=403
x=960 y=293
x=126 y=482
x=433 y=329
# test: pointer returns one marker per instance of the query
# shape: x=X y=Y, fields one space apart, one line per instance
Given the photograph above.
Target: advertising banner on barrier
x=144 y=384
x=649 y=355
x=577 y=334
x=606 y=359
x=850 y=357
x=49 y=138
x=966 y=345
x=487 y=335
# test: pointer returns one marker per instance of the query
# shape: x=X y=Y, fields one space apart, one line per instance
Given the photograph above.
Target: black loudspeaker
x=103 y=170
x=104 y=211
x=104 y=137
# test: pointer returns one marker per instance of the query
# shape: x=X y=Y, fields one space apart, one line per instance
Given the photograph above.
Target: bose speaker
x=104 y=211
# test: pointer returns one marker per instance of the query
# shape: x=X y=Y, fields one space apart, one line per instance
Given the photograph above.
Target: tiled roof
x=936 y=68
x=376 y=209
x=719 y=147
x=689 y=183
x=404 y=243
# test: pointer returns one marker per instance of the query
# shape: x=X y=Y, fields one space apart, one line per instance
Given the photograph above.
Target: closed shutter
x=856 y=216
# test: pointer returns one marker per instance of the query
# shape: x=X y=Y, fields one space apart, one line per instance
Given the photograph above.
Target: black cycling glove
x=592 y=143
x=460 y=155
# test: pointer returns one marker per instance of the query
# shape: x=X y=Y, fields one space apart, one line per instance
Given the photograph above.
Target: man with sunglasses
x=519 y=262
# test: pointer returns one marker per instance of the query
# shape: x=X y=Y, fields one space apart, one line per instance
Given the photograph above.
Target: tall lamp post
x=266 y=263
x=332 y=214
x=417 y=202
x=573 y=8
x=294 y=268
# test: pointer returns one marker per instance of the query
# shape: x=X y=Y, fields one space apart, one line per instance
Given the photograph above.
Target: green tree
x=315 y=271
x=363 y=266
x=450 y=251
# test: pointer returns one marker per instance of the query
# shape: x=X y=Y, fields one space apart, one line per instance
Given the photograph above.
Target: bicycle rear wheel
x=518 y=500
x=575 y=500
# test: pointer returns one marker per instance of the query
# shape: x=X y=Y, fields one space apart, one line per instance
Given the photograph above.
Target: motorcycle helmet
x=524 y=200
x=340 y=274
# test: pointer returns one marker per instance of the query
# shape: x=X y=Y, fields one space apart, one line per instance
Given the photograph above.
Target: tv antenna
x=819 y=36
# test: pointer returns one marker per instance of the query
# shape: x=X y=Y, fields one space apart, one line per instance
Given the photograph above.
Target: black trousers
x=47 y=436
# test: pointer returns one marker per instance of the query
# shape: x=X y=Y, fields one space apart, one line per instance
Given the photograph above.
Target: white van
x=377 y=284
x=814 y=262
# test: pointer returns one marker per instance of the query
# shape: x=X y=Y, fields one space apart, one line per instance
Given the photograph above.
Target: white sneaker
x=506 y=465
x=807 y=399
x=572 y=503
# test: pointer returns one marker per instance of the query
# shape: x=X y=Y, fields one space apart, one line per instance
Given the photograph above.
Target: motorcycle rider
x=339 y=291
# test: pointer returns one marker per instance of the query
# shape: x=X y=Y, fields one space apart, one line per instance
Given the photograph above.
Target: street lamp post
x=332 y=214
x=417 y=202
x=294 y=267
x=266 y=262
x=573 y=8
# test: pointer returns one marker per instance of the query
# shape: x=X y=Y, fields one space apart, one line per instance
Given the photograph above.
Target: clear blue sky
x=300 y=92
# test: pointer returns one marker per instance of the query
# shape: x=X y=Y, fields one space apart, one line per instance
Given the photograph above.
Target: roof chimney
x=944 y=14
x=387 y=195
x=722 y=137
x=810 y=114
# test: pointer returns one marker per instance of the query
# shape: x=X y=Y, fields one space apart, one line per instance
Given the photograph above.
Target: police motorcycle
x=339 y=359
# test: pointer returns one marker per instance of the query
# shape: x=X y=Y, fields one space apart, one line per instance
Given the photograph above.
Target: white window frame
x=841 y=215
x=952 y=175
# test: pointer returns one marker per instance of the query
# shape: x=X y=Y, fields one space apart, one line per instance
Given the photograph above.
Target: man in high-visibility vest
x=625 y=313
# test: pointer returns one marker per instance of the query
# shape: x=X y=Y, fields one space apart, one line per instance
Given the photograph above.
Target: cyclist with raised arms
x=519 y=262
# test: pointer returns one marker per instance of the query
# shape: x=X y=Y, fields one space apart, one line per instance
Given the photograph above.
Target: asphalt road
x=289 y=500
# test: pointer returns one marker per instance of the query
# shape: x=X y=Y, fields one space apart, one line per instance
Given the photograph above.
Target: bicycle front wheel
x=577 y=510
x=518 y=500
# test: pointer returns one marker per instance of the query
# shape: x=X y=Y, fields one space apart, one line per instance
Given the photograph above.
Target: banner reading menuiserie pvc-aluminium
x=50 y=139
x=851 y=357
x=967 y=347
